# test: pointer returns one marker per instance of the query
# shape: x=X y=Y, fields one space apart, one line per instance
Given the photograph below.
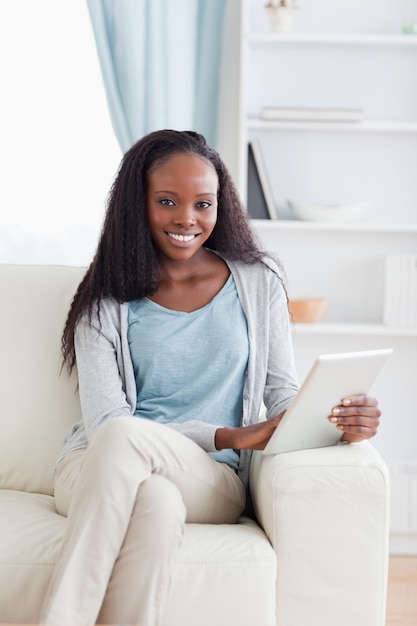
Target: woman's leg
x=126 y=519
x=147 y=559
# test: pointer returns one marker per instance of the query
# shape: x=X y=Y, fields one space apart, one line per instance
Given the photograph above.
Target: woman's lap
x=211 y=491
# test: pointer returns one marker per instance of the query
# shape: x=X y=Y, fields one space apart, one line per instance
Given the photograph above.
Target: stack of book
x=400 y=298
x=294 y=114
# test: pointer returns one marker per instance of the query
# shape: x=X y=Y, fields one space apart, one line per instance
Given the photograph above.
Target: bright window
x=58 y=152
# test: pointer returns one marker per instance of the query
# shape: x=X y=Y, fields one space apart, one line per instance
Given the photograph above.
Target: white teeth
x=181 y=237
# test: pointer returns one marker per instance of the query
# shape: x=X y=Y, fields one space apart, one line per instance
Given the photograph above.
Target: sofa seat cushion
x=29 y=544
x=234 y=565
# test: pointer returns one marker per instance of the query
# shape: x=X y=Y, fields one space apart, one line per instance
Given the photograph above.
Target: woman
x=179 y=331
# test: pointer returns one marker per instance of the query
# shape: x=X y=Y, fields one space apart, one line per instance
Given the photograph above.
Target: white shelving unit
x=340 y=55
x=341 y=39
x=359 y=127
x=374 y=330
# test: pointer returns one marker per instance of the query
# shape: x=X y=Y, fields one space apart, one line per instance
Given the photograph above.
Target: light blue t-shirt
x=191 y=366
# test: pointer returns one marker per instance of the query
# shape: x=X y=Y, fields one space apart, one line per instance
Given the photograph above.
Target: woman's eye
x=204 y=205
x=166 y=202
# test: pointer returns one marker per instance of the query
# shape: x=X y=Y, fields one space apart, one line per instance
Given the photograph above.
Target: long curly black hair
x=125 y=265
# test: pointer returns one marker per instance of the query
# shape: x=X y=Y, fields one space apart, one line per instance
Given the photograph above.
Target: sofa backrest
x=38 y=403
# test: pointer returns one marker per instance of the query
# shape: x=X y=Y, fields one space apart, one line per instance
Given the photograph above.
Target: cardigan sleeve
x=101 y=381
x=281 y=383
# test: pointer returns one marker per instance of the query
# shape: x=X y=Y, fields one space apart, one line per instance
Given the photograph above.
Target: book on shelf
x=260 y=201
x=400 y=295
x=313 y=114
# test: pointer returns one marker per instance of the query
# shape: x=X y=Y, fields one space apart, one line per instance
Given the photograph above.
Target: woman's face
x=182 y=205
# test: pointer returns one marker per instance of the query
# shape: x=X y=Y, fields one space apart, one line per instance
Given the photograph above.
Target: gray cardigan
x=107 y=384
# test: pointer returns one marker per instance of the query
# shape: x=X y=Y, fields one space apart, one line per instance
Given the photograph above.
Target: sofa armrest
x=326 y=513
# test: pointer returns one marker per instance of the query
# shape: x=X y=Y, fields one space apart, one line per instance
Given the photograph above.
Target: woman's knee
x=125 y=447
x=110 y=456
x=112 y=433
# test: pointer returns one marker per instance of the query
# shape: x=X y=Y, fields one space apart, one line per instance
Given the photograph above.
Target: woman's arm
x=253 y=437
x=101 y=388
x=357 y=416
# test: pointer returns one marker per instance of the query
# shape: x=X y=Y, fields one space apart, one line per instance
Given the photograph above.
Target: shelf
x=254 y=123
x=333 y=39
x=354 y=329
x=404 y=229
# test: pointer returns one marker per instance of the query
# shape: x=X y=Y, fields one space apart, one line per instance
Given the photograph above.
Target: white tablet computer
x=333 y=376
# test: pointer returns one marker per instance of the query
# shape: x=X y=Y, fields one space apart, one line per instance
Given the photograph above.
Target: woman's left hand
x=357 y=416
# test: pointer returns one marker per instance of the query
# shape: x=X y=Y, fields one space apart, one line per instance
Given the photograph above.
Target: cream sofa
x=317 y=556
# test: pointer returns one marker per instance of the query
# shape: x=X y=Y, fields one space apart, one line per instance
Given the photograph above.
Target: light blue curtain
x=160 y=61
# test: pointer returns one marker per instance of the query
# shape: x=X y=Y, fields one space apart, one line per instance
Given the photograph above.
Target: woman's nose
x=185 y=216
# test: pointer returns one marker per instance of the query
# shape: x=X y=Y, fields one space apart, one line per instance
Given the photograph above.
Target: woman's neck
x=190 y=285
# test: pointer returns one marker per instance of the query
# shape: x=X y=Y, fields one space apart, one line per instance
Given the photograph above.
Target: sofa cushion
x=38 y=405
x=232 y=564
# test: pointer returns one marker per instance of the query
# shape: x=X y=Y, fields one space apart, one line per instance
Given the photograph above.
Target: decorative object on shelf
x=400 y=294
x=311 y=114
x=260 y=199
x=327 y=212
x=410 y=27
x=281 y=15
x=308 y=310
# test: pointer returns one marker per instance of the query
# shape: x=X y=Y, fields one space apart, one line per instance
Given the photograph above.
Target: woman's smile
x=183 y=239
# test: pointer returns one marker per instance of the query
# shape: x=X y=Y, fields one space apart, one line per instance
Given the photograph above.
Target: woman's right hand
x=253 y=437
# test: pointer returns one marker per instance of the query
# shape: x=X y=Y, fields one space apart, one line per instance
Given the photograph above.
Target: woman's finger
x=367 y=409
x=357 y=417
x=359 y=400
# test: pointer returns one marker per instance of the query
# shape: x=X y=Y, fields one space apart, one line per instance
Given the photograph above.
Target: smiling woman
x=58 y=153
x=180 y=332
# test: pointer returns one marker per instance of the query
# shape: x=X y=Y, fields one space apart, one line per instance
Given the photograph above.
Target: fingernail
x=336 y=411
x=339 y=426
x=346 y=402
x=333 y=420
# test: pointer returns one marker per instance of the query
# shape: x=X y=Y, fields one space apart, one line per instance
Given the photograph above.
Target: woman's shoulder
x=106 y=313
x=266 y=268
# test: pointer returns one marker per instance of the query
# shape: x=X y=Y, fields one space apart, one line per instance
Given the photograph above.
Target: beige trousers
x=127 y=497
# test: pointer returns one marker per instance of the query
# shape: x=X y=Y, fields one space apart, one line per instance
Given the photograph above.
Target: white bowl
x=327 y=213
